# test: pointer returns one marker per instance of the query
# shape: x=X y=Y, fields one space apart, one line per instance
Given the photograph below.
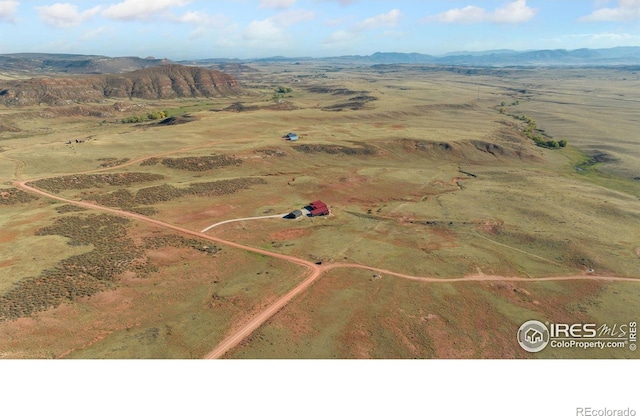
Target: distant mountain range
x=499 y=58
x=46 y=63
x=33 y=64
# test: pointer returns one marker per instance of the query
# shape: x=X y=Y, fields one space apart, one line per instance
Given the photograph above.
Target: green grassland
x=424 y=175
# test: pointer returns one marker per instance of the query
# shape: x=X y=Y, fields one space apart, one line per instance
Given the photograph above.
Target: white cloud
x=198 y=18
x=380 y=21
x=65 y=14
x=273 y=30
x=141 y=9
x=355 y=33
x=8 y=10
x=265 y=31
x=469 y=14
x=97 y=32
x=626 y=10
x=277 y=4
x=614 y=38
x=514 y=12
x=339 y=37
x=293 y=17
x=342 y=2
x=335 y=22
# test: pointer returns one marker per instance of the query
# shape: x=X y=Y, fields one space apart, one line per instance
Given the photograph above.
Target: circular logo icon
x=632 y=347
x=533 y=336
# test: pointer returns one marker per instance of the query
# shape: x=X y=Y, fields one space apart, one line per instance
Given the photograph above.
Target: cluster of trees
x=532 y=132
x=150 y=116
x=280 y=92
x=283 y=90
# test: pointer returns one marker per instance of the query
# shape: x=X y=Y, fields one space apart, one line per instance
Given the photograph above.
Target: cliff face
x=161 y=82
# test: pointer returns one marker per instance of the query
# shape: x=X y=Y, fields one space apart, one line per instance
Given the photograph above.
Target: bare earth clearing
x=439 y=200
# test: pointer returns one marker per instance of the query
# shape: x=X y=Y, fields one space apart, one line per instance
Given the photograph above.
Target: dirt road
x=480 y=277
x=24 y=186
x=259 y=319
x=242 y=219
x=316 y=271
x=237 y=337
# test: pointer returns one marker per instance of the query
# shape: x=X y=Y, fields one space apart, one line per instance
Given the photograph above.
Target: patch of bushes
x=146 y=211
x=110 y=162
x=64 y=209
x=146 y=117
x=148 y=196
x=114 y=253
x=88 y=181
x=178 y=241
x=152 y=161
x=336 y=149
x=77 y=276
x=201 y=163
x=14 y=196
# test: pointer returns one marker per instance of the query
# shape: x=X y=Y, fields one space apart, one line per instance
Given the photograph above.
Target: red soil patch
x=201 y=218
x=7 y=263
x=7 y=237
x=490 y=226
x=290 y=234
x=359 y=342
x=454 y=182
x=33 y=219
x=445 y=344
x=166 y=255
x=103 y=298
x=296 y=322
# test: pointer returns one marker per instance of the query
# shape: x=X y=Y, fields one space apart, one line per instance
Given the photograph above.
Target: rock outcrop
x=160 y=82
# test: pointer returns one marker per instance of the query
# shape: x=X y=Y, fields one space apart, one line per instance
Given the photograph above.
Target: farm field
x=428 y=172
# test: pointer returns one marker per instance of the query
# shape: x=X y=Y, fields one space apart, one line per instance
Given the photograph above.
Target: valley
x=449 y=226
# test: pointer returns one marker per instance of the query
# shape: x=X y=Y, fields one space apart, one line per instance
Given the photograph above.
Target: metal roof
x=317 y=204
x=320 y=211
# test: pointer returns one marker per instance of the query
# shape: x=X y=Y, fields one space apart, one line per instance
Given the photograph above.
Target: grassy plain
x=424 y=175
x=351 y=314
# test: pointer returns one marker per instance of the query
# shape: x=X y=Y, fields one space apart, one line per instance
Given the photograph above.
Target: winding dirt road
x=24 y=186
x=242 y=219
x=315 y=270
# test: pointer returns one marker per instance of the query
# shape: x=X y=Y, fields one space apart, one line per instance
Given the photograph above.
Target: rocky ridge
x=160 y=82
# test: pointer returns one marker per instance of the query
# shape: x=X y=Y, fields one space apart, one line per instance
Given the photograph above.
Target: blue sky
x=185 y=29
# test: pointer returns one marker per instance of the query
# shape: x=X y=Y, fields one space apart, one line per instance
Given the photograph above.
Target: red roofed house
x=318 y=208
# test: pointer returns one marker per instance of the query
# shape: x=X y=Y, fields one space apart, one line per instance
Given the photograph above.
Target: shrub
x=150 y=116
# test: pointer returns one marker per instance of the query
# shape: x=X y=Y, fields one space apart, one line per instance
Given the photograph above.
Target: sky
x=198 y=29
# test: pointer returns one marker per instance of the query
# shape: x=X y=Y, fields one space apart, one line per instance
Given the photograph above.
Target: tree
x=283 y=90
